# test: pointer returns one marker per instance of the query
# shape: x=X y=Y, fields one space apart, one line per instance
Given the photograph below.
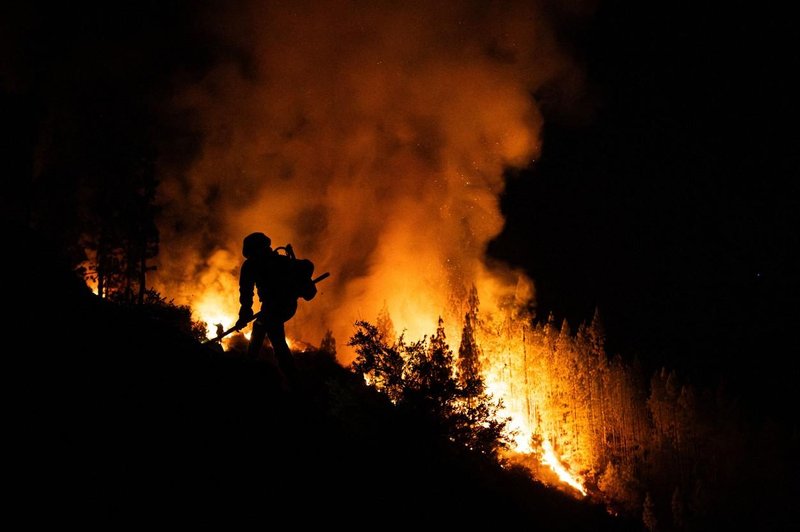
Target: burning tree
x=539 y=394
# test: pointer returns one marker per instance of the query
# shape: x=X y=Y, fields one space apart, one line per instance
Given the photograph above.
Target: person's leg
x=256 y=339
x=277 y=337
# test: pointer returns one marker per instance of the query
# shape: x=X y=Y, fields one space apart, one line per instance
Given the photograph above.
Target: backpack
x=300 y=272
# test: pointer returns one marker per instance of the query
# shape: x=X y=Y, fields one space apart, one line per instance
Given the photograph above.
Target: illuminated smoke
x=373 y=136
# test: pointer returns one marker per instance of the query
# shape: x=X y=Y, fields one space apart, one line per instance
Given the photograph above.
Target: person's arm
x=247 y=282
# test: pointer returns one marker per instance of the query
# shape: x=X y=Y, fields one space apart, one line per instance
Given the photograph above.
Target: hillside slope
x=121 y=419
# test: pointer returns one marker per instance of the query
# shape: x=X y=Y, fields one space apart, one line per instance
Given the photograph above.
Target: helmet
x=254 y=244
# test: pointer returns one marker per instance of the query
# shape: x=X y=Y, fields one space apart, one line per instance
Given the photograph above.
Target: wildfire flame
x=209 y=309
x=377 y=146
x=500 y=384
x=550 y=459
x=91 y=283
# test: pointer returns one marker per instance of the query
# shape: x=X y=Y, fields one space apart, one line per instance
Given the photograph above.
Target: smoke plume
x=373 y=136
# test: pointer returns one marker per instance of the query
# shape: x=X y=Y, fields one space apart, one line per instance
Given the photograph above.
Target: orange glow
x=507 y=366
x=384 y=163
x=91 y=282
x=89 y=267
x=550 y=459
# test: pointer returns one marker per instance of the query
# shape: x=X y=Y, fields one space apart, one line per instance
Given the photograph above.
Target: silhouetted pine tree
x=119 y=224
x=328 y=344
x=380 y=364
x=94 y=181
x=419 y=377
x=386 y=326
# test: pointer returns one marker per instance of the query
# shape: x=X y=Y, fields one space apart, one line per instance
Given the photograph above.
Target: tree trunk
x=142 y=274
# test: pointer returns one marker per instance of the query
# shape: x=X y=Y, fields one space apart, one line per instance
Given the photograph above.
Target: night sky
x=674 y=208
x=666 y=194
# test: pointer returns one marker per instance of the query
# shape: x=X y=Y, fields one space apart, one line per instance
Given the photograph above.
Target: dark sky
x=675 y=209
x=671 y=206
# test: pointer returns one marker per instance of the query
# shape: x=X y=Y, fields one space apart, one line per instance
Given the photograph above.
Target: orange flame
x=550 y=459
x=517 y=399
x=377 y=146
x=91 y=283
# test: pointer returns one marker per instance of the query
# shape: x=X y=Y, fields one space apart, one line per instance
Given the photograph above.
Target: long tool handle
x=258 y=314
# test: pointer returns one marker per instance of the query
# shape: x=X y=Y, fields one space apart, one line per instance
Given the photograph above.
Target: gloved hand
x=243 y=320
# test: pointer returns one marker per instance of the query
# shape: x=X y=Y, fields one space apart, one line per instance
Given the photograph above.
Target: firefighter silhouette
x=279 y=279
